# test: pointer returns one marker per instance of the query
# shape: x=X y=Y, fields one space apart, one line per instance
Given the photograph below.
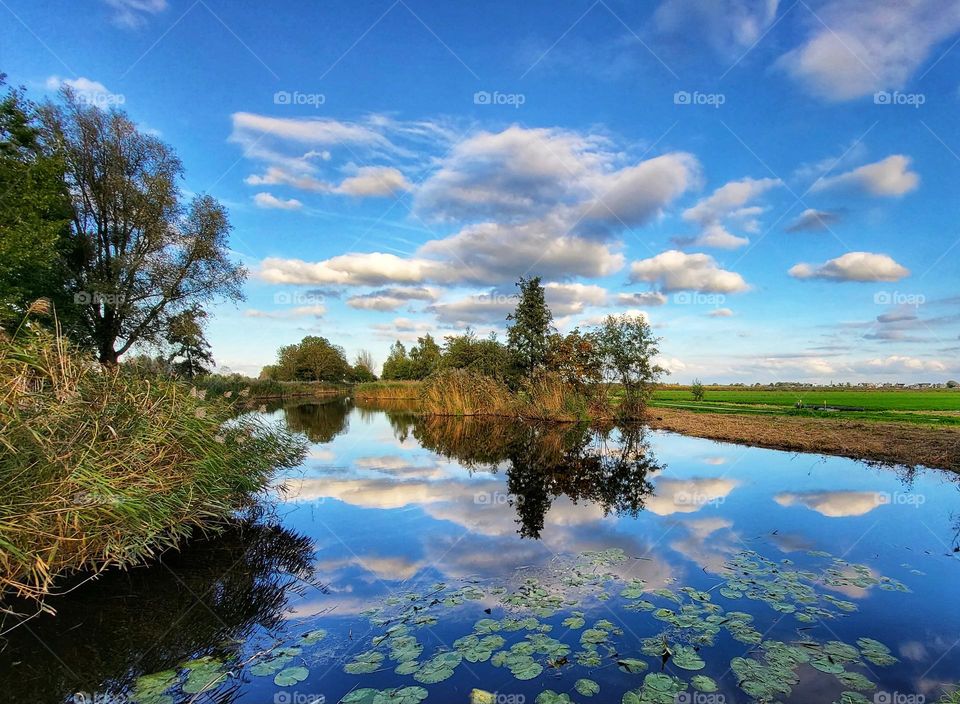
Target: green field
x=936 y=406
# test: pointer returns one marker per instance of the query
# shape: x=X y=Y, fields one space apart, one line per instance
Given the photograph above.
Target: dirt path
x=896 y=443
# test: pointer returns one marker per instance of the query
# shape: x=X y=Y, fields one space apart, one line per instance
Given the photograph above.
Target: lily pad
x=290 y=676
x=586 y=687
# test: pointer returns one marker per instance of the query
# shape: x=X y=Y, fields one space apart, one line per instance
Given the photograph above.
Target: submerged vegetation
x=104 y=468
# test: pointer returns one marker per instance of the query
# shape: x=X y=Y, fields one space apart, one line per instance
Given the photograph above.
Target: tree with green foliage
x=527 y=337
x=576 y=358
x=138 y=255
x=487 y=356
x=696 y=390
x=397 y=366
x=190 y=354
x=313 y=359
x=424 y=357
x=628 y=348
x=34 y=213
x=362 y=370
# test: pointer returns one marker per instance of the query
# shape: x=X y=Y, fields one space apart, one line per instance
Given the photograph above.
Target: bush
x=101 y=467
x=548 y=397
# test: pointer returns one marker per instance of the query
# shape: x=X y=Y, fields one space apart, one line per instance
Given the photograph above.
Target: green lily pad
x=550 y=697
x=290 y=676
x=632 y=665
x=586 y=687
x=702 y=683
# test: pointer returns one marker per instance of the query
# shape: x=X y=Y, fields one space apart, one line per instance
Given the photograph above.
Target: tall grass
x=457 y=392
x=388 y=391
x=101 y=468
x=237 y=386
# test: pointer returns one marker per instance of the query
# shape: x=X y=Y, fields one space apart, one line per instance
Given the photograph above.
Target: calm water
x=410 y=559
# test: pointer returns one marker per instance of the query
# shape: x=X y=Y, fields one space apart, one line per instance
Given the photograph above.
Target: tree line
x=93 y=222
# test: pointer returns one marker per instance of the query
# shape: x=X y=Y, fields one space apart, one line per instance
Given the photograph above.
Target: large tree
x=190 y=354
x=140 y=255
x=314 y=359
x=34 y=212
x=528 y=336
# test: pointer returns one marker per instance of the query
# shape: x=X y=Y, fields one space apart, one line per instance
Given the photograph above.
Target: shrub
x=101 y=467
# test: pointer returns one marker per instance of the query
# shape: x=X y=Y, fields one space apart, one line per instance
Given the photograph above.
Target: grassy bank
x=237 y=386
x=100 y=468
x=388 y=391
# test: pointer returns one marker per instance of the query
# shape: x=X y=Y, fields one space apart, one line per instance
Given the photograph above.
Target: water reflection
x=320 y=420
x=205 y=600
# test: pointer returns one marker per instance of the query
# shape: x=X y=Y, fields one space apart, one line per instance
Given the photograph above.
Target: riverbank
x=236 y=386
x=876 y=441
x=102 y=468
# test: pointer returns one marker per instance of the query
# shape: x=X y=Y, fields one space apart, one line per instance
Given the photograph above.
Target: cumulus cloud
x=133 y=13
x=729 y=202
x=373 y=269
x=519 y=174
x=641 y=298
x=390 y=299
x=903 y=364
x=721 y=313
x=270 y=201
x=853 y=266
x=833 y=504
x=729 y=25
x=674 y=270
x=812 y=220
x=374 y=181
x=87 y=89
x=889 y=177
x=856 y=48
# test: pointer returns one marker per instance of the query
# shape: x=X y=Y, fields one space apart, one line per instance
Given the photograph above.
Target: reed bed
x=457 y=392
x=100 y=468
x=388 y=391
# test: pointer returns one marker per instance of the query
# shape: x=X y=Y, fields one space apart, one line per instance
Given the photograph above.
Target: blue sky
x=773 y=184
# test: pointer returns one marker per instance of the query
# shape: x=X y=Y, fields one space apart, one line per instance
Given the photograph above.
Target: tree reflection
x=609 y=467
x=204 y=600
x=320 y=421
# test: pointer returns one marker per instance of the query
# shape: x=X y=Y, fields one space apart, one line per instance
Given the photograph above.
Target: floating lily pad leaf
x=876 y=652
x=550 y=697
x=312 y=637
x=403 y=695
x=408 y=667
x=594 y=635
x=360 y=696
x=854 y=680
x=827 y=665
x=364 y=662
x=526 y=669
x=482 y=696
x=632 y=665
x=150 y=689
x=487 y=625
x=853 y=698
x=730 y=593
x=574 y=622
x=438 y=668
x=586 y=687
x=687 y=658
x=204 y=674
x=290 y=676
x=270 y=667
x=841 y=652
x=588 y=658
x=702 y=683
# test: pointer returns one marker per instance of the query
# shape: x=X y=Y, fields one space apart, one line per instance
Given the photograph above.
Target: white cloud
x=729 y=25
x=853 y=266
x=132 y=13
x=833 y=504
x=270 y=201
x=390 y=299
x=721 y=313
x=373 y=269
x=87 y=90
x=277 y=176
x=315 y=311
x=855 y=48
x=674 y=270
x=811 y=220
x=889 y=177
x=903 y=364
x=374 y=181
x=729 y=202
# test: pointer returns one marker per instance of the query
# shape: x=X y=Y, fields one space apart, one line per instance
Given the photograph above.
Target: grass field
x=935 y=407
